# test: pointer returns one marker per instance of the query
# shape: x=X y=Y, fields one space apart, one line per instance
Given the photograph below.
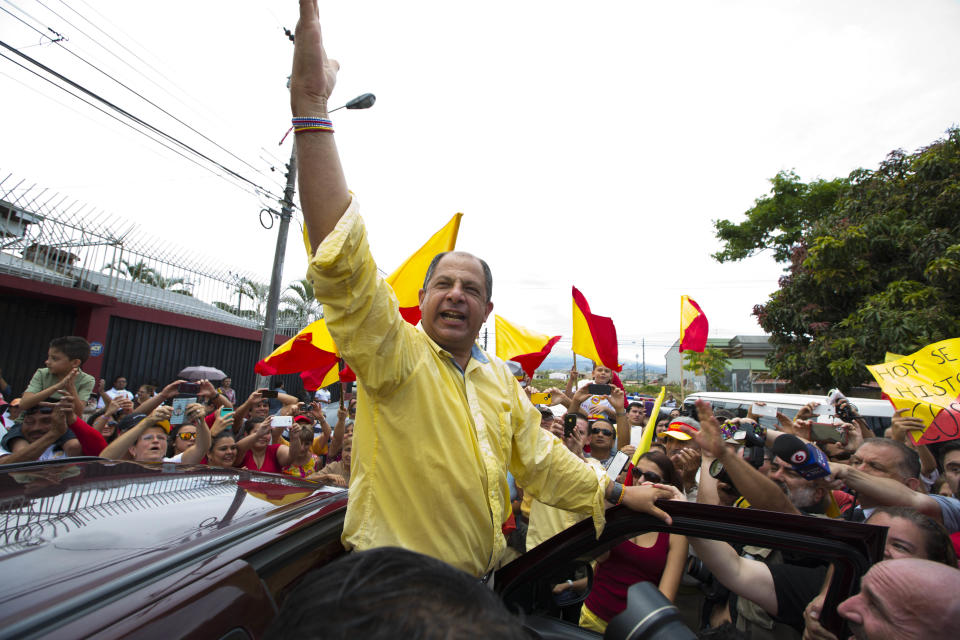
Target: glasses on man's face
x=596 y=430
x=187 y=436
x=649 y=476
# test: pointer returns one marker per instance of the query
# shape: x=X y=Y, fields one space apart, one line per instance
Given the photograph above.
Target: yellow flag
x=647 y=439
x=407 y=280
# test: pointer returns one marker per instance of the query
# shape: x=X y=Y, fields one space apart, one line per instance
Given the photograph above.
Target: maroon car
x=104 y=549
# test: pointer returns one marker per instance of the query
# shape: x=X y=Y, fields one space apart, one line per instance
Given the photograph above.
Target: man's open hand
x=641 y=498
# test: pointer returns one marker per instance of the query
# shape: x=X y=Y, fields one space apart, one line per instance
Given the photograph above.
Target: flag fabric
x=651 y=427
x=312 y=351
x=407 y=280
x=594 y=337
x=693 y=326
x=525 y=347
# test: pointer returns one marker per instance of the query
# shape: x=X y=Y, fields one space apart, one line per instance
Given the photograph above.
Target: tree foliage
x=711 y=364
x=872 y=264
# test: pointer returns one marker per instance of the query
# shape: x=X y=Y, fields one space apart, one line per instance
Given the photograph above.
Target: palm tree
x=302 y=305
x=136 y=271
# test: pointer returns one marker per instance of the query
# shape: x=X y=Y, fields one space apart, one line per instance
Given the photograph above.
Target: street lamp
x=364 y=101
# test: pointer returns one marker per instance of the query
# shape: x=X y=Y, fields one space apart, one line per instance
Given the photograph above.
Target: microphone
x=806 y=459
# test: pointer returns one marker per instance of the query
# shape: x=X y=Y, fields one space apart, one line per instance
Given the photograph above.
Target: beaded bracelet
x=623 y=490
x=311 y=124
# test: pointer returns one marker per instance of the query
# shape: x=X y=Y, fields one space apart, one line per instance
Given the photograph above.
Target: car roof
x=75 y=526
x=794 y=401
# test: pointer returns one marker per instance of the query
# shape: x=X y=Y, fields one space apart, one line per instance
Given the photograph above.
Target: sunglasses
x=649 y=476
x=606 y=432
x=187 y=436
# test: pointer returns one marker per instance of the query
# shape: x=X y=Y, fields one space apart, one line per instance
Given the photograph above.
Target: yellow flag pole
x=647 y=439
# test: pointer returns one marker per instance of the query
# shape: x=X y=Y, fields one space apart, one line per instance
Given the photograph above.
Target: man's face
x=951 y=470
x=261 y=410
x=58 y=362
x=803 y=494
x=672 y=445
x=601 y=435
x=226 y=382
x=35 y=425
x=143 y=394
x=878 y=611
x=635 y=415
x=454 y=303
x=120 y=383
x=150 y=446
x=877 y=460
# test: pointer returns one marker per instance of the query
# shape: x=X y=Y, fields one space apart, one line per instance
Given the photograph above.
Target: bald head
x=904 y=599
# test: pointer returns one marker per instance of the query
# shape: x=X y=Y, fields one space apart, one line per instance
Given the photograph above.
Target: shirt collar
x=476 y=353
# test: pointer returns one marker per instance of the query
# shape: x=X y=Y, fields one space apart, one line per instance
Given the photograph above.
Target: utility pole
x=643 y=346
x=273 y=299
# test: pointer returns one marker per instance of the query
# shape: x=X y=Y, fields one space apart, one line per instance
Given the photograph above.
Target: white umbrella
x=201 y=373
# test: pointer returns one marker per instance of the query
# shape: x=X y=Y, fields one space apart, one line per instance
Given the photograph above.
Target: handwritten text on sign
x=927 y=384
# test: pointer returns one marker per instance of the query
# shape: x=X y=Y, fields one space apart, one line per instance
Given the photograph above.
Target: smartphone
x=189 y=387
x=225 y=411
x=179 y=404
x=617 y=465
x=268 y=393
x=541 y=398
x=281 y=421
x=569 y=424
x=822 y=409
x=823 y=432
x=763 y=410
x=599 y=389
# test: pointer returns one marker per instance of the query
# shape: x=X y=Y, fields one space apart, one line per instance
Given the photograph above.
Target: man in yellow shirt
x=423 y=385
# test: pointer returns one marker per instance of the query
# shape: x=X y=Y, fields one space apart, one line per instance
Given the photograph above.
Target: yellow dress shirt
x=432 y=443
x=547 y=521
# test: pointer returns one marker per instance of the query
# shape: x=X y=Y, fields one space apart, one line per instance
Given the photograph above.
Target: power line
x=129 y=115
x=126 y=124
x=131 y=90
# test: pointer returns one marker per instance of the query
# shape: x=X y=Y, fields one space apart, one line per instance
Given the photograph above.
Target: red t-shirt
x=627 y=565
x=270 y=462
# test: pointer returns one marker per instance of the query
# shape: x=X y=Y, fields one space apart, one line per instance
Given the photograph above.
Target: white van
x=877 y=413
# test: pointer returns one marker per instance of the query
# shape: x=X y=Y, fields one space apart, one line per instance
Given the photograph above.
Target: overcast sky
x=587 y=144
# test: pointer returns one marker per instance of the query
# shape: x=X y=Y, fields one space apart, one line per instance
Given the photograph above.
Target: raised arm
x=168 y=392
x=623 y=425
x=119 y=449
x=747 y=578
x=244 y=444
x=323 y=189
x=24 y=451
x=201 y=445
x=757 y=488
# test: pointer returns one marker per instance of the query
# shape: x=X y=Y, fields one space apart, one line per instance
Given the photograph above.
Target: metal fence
x=50 y=238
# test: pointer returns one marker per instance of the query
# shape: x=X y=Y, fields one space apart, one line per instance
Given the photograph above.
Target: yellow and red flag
x=693 y=326
x=525 y=347
x=312 y=352
x=594 y=336
x=407 y=280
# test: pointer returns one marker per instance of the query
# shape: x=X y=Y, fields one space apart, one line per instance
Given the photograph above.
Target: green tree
x=141 y=272
x=872 y=264
x=711 y=364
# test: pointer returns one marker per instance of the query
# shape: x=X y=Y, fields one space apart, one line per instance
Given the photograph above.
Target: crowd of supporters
x=717 y=458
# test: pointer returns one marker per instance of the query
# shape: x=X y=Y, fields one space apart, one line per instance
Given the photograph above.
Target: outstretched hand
x=314 y=74
x=641 y=498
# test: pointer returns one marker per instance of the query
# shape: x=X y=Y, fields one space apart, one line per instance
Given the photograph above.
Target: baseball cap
x=673 y=429
x=303 y=420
